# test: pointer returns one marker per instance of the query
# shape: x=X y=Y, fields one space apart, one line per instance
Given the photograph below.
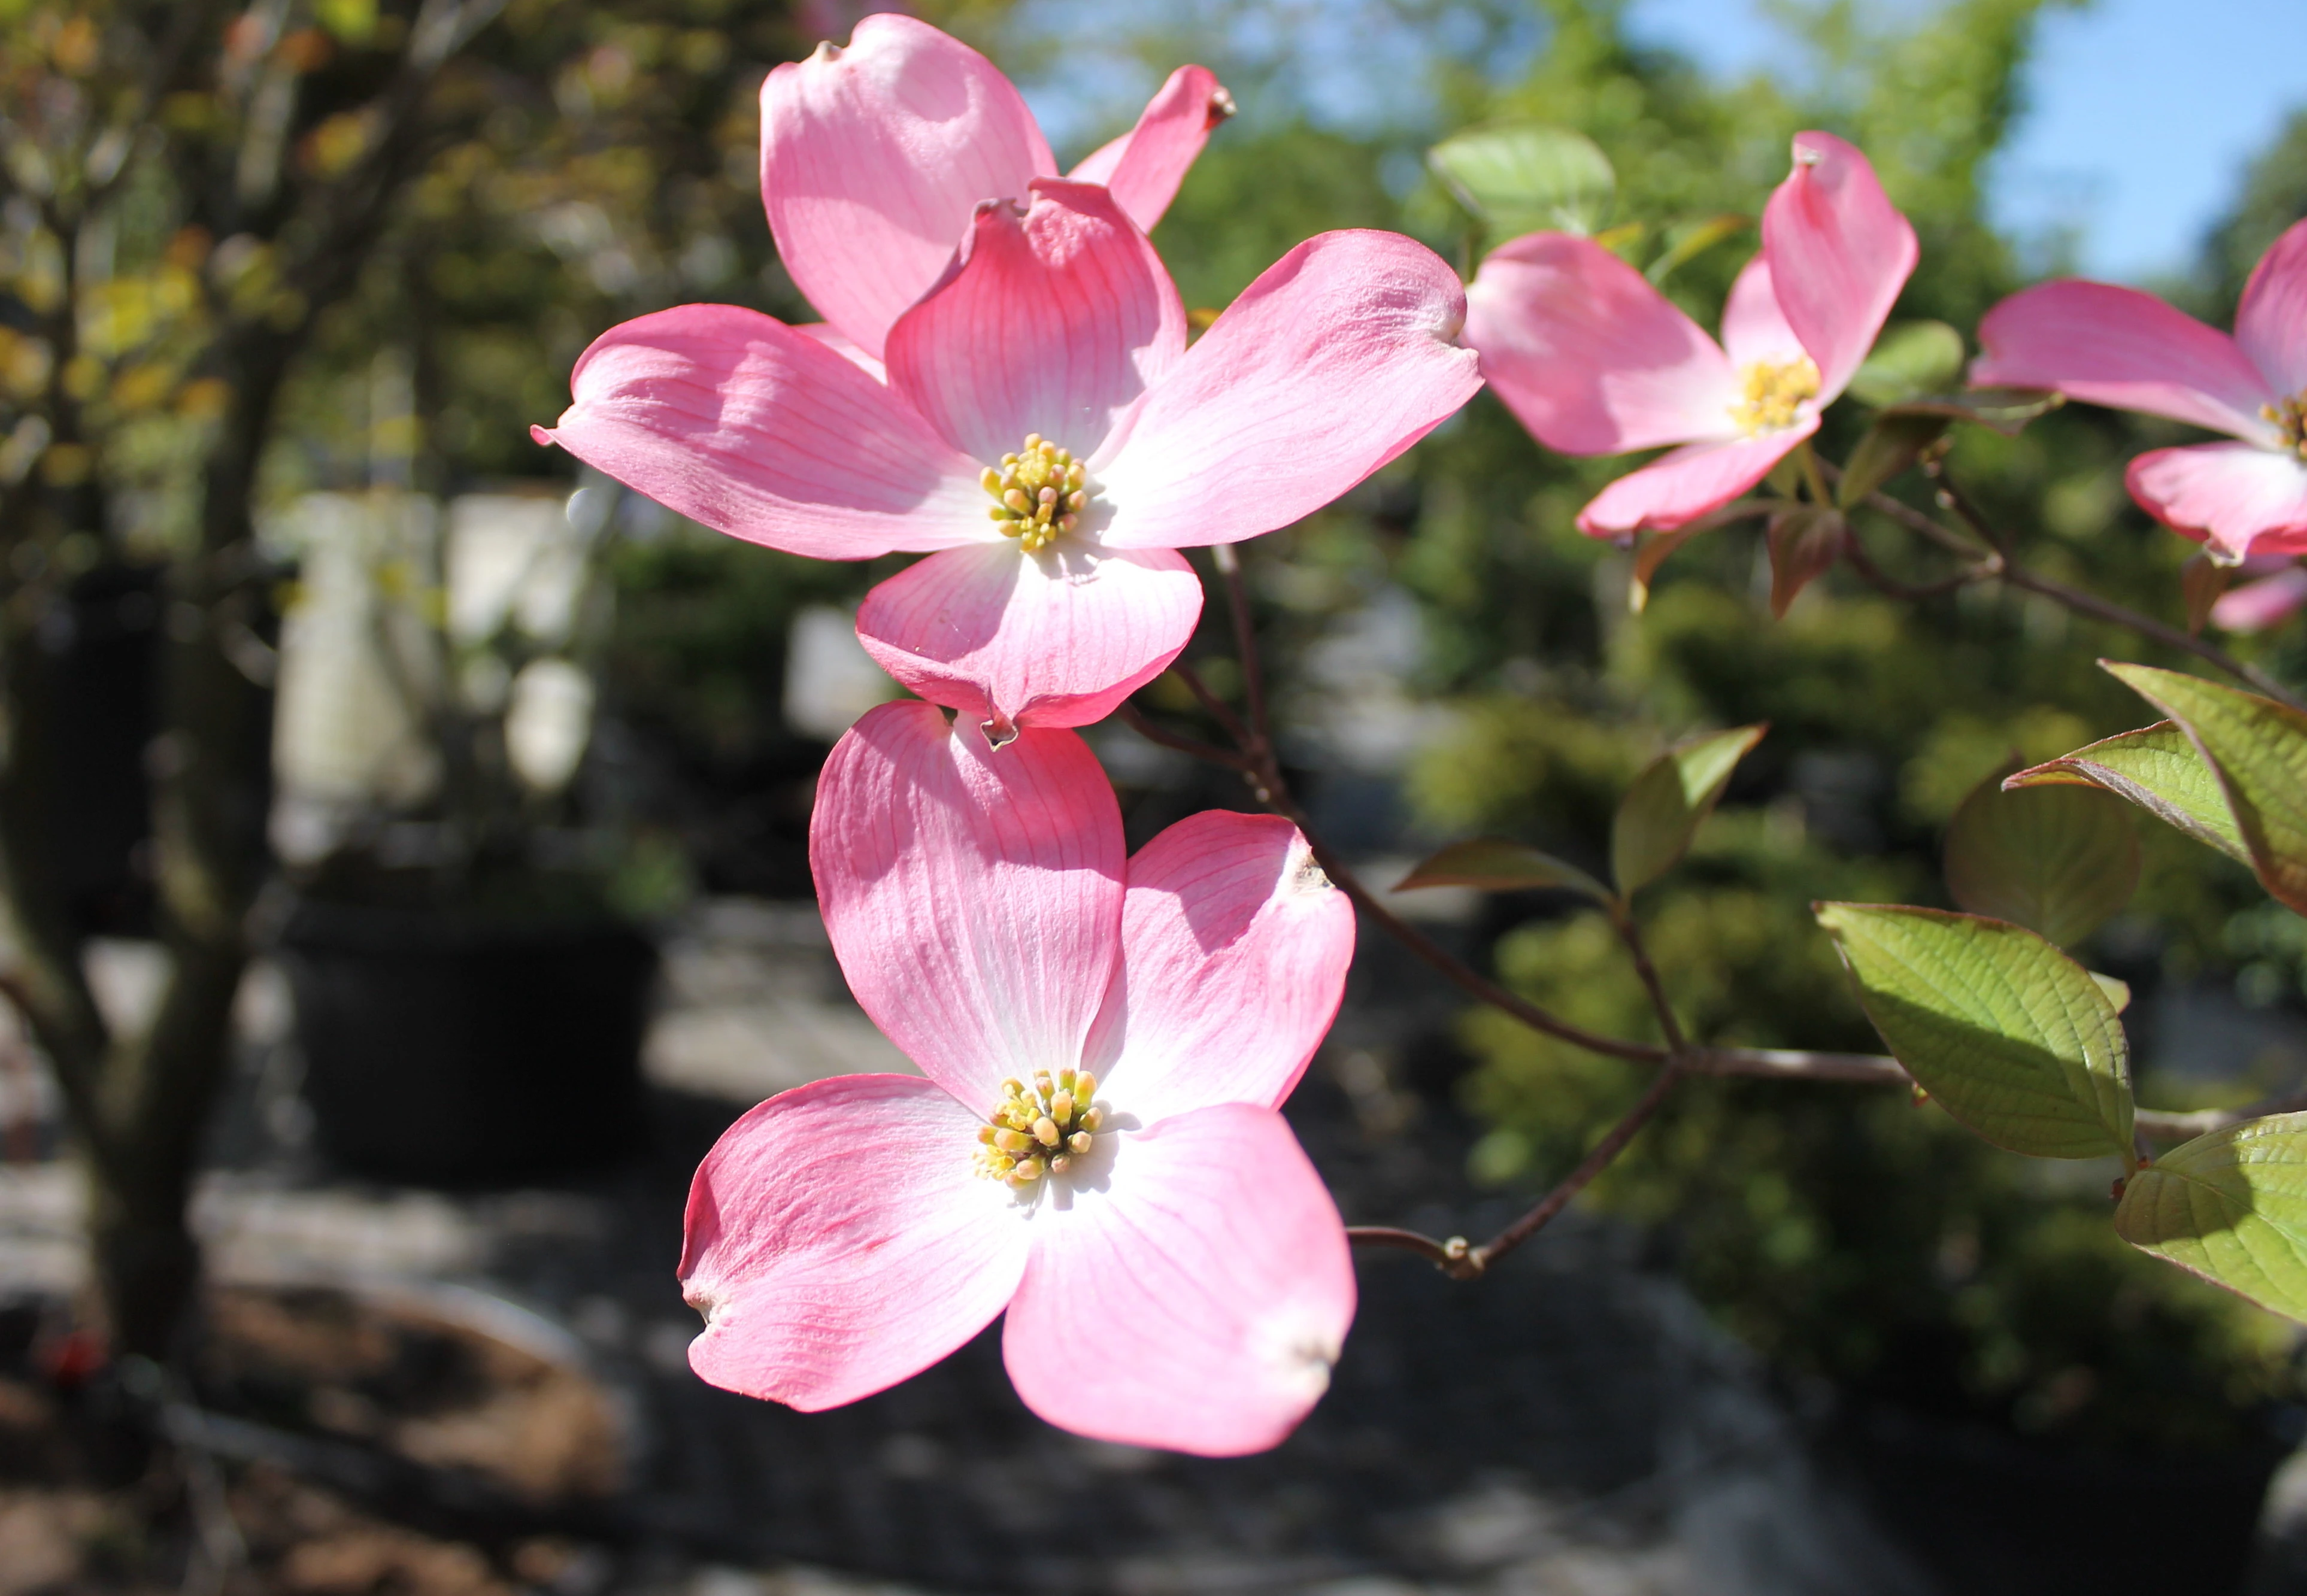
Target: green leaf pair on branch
x=2024 y=1047
x=1656 y=822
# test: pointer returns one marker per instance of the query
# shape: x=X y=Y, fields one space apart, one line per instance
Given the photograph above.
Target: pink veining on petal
x=1839 y=254
x=2271 y=322
x=736 y=420
x=2240 y=499
x=2117 y=346
x=1198 y=1300
x=1145 y=166
x=1341 y=356
x=873 y=158
x=1054 y=322
x=1588 y=354
x=1680 y=487
x=1754 y=327
x=1234 y=949
x=973 y=896
x=839 y=1240
x=1056 y=637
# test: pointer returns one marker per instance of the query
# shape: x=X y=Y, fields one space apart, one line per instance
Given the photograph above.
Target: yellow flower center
x=2290 y=419
x=1039 y=493
x=1040 y=1129
x=1774 y=393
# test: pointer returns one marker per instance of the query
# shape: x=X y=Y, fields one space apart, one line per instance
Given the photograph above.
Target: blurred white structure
x=830 y=678
x=413 y=618
x=357 y=663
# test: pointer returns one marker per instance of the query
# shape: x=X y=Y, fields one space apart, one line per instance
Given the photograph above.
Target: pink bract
x=2117 y=346
x=973 y=302
x=1185 y=1282
x=1594 y=360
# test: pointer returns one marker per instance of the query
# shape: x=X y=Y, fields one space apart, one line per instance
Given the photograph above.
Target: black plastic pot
x=1992 y=1513
x=449 y=1049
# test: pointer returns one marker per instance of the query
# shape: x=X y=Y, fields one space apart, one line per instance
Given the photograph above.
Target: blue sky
x=2141 y=113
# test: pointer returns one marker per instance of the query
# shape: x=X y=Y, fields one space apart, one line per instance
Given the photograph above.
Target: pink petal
x=873 y=158
x=2120 y=348
x=1754 y=327
x=739 y=422
x=2257 y=605
x=1053 y=639
x=843 y=345
x=1234 y=949
x=839 y=1239
x=1145 y=166
x=2271 y=323
x=1335 y=361
x=1840 y=253
x=1677 y=488
x=2240 y=499
x=1587 y=354
x=973 y=897
x=1196 y=1298
x=1053 y=323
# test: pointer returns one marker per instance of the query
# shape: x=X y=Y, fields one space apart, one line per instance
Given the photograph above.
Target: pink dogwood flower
x=1594 y=360
x=2130 y=351
x=1032 y=419
x=1095 y=1150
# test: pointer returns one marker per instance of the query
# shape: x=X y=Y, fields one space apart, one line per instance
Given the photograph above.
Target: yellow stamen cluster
x=1039 y=493
x=1774 y=393
x=1040 y=1129
x=2290 y=419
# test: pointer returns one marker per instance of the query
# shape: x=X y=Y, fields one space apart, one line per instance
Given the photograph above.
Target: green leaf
x=2157 y=768
x=1806 y=540
x=1498 y=866
x=1662 y=810
x=2061 y=861
x=2117 y=991
x=1686 y=243
x=2232 y=1207
x=1520 y=177
x=2007 y=410
x=2259 y=748
x=1911 y=358
x=1890 y=445
x=2009 y=1036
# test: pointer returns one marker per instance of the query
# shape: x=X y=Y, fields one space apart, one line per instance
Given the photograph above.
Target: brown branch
x=1999 y=564
x=1244 y=639
x=1787 y=1064
x=1152 y=731
x=1622 y=917
x=1454 y=1258
x=2165 y=1127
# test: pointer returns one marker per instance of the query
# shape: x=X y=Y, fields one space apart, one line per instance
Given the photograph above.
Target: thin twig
x=1790 y=1064
x=1613 y=1143
x=1152 y=731
x=1622 y=916
x=1454 y=969
x=2165 y=1127
x=1245 y=637
x=1882 y=581
x=2079 y=600
x=1450 y=1256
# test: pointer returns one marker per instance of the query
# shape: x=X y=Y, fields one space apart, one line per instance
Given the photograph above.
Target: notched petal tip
x=1000 y=730
x=1221 y=105
x=542 y=435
